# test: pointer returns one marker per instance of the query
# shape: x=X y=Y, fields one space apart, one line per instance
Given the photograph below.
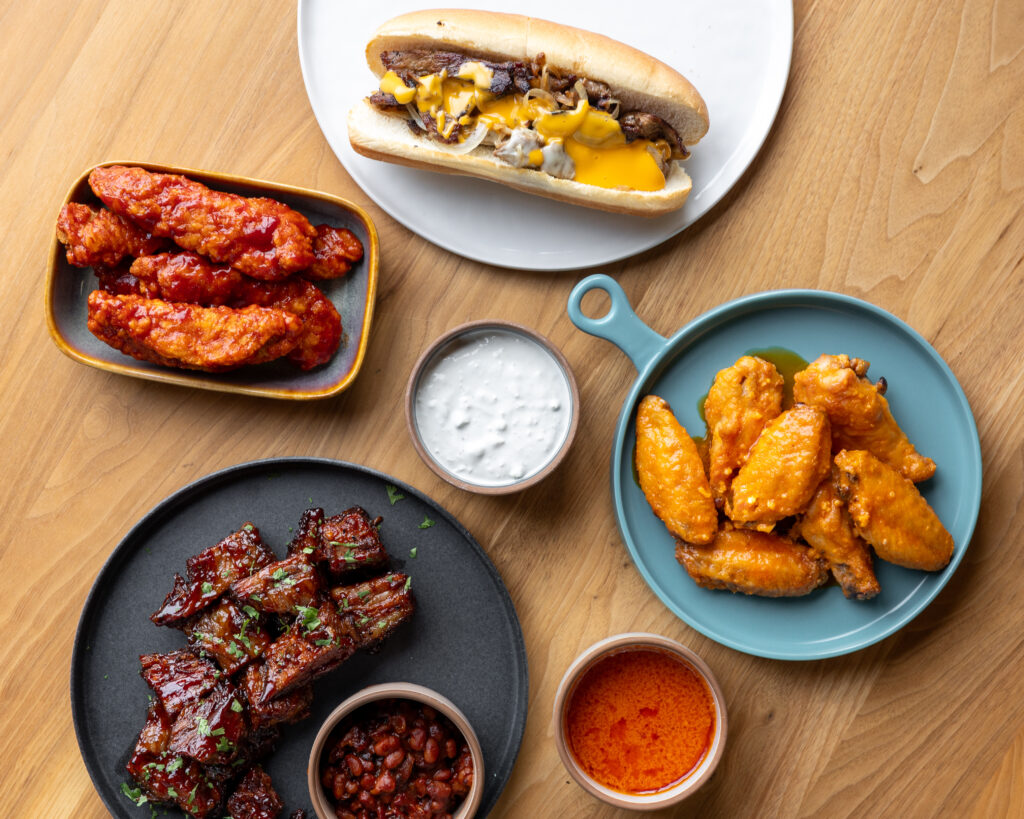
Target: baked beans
x=396 y=758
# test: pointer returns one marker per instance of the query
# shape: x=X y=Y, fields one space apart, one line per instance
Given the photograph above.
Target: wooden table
x=895 y=173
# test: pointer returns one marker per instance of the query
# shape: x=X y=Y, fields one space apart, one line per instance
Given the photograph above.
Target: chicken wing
x=785 y=465
x=826 y=527
x=749 y=562
x=188 y=277
x=336 y=250
x=97 y=237
x=213 y=339
x=859 y=413
x=262 y=238
x=743 y=398
x=671 y=473
x=890 y=514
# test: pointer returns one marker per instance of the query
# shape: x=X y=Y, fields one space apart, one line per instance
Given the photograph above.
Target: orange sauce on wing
x=640 y=721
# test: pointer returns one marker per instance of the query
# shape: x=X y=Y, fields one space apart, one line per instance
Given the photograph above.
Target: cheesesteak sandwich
x=538 y=106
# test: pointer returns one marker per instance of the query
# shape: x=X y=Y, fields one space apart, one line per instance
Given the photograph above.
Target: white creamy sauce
x=493 y=407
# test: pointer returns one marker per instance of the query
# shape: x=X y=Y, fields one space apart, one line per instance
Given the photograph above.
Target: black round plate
x=464 y=639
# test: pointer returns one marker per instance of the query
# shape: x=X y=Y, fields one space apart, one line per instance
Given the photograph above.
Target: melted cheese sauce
x=593 y=138
x=493 y=407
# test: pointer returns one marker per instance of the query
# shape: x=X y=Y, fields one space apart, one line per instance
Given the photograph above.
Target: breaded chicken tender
x=743 y=398
x=336 y=250
x=671 y=473
x=97 y=237
x=187 y=277
x=785 y=466
x=859 y=413
x=263 y=238
x=757 y=563
x=214 y=339
x=889 y=513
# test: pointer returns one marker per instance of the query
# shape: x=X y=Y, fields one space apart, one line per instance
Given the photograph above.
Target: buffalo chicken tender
x=750 y=562
x=671 y=473
x=859 y=413
x=174 y=334
x=97 y=237
x=261 y=237
x=786 y=464
x=743 y=398
x=890 y=514
x=826 y=527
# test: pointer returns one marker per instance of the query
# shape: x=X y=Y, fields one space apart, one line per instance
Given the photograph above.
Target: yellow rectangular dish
x=67 y=288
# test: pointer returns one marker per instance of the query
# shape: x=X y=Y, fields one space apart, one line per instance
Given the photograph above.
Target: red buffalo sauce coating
x=640 y=721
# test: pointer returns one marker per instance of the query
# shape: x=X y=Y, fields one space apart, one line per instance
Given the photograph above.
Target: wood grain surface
x=894 y=173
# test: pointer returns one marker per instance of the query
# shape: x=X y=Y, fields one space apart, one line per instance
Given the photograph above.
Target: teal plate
x=925 y=398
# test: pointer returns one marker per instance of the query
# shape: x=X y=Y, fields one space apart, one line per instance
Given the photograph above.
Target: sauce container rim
x=427 y=356
x=623 y=643
x=322 y=804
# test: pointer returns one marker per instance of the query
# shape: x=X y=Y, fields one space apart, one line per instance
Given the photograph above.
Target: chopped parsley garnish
x=224 y=744
x=309 y=550
x=248 y=527
x=363 y=594
x=202 y=727
x=310 y=617
x=235 y=651
x=192 y=794
x=171 y=792
x=207 y=587
x=279 y=574
x=393 y=494
x=326 y=641
x=412 y=552
x=427 y=523
x=408 y=584
x=175 y=764
x=135 y=794
x=250 y=612
x=236 y=706
x=362 y=621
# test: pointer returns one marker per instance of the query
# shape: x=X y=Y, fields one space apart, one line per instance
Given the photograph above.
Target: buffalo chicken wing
x=889 y=512
x=859 y=413
x=759 y=563
x=786 y=464
x=671 y=473
x=826 y=527
x=742 y=399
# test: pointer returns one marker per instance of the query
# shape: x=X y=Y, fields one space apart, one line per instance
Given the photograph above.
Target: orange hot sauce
x=640 y=721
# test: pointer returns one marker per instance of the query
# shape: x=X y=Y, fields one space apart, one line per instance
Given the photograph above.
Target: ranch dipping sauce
x=493 y=407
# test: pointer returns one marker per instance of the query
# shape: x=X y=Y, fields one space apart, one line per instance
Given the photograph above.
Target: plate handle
x=620 y=325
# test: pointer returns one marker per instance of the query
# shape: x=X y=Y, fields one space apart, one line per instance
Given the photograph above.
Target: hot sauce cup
x=691 y=733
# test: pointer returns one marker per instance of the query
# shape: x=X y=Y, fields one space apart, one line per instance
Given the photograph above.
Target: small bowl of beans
x=396 y=749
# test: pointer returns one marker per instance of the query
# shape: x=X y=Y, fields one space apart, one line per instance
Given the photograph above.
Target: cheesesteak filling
x=565 y=126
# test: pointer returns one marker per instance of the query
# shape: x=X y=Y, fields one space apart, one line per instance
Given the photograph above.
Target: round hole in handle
x=596 y=304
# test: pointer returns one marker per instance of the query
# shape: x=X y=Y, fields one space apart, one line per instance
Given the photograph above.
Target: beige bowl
x=323 y=805
x=436 y=351
x=620 y=643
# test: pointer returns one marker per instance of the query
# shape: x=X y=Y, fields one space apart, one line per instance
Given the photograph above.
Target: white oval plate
x=736 y=52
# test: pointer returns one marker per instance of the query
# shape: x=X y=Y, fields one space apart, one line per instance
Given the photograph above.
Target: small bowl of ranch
x=492 y=407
